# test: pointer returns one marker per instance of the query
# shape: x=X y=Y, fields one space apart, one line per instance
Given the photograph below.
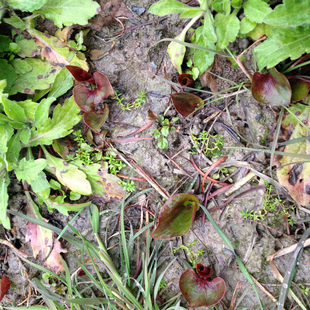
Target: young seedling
x=163 y=131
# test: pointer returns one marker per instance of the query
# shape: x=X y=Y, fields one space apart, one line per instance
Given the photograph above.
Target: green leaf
x=5 y=43
x=256 y=10
x=221 y=6
x=42 y=111
x=33 y=74
x=176 y=216
x=177 y=51
x=165 y=7
x=227 y=28
x=41 y=186
x=64 y=207
x=29 y=107
x=29 y=170
x=208 y=28
x=163 y=143
x=156 y=134
x=28 y=5
x=25 y=135
x=68 y=174
x=283 y=43
x=64 y=118
x=15 y=21
x=4 y=197
x=8 y=73
x=290 y=13
x=14 y=147
x=63 y=82
x=191 y=13
x=246 y=25
x=203 y=59
x=13 y=110
x=165 y=131
x=69 y=12
x=28 y=48
x=6 y=132
x=103 y=184
x=237 y=4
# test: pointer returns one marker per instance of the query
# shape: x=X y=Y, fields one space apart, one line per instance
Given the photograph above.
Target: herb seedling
x=194 y=257
x=130 y=105
x=115 y=166
x=130 y=186
x=164 y=130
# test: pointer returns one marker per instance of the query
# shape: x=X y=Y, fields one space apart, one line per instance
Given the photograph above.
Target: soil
x=132 y=61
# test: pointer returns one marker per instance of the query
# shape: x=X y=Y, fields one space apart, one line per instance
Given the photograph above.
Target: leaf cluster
x=163 y=131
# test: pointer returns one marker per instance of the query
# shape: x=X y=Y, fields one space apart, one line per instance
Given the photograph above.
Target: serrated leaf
x=42 y=111
x=7 y=73
x=176 y=216
x=68 y=175
x=103 y=184
x=29 y=170
x=202 y=59
x=256 y=10
x=246 y=25
x=42 y=241
x=165 y=7
x=64 y=208
x=69 y=12
x=295 y=176
x=290 y=13
x=41 y=186
x=283 y=43
x=4 y=197
x=36 y=75
x=29 y=5
x=64 y=118
x=227 y=29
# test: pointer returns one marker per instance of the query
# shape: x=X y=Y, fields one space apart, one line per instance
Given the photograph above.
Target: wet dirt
x=131 y=61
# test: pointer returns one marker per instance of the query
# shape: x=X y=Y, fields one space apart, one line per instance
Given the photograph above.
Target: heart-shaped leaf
x=186 y=103
x=300 y=87
x=86 y=98
x=80 y=74
x=271 y=88
x=201 y=292
x=176 y=216
x=186 y=79
x=94 y=120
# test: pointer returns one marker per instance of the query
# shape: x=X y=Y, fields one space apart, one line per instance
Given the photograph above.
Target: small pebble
x=258 y=117
x=138 y=10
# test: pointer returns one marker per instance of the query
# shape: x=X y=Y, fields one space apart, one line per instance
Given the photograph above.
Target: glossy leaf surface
x=295 y=176
x=80 y=74
x=176 y=216
x=186 y=103
x=271 y=88
x=204 y=271
x=300 y=88
x=96 y=120
x=200 y=292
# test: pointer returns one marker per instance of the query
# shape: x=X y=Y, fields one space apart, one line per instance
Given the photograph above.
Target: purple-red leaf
x=95 y=120
x=271 y=88
x=186 y=103
x=204 y=271
x=300 y=87
x=4 y=286
x=201 y=292
x=176 y=216
x=86 y=98
x=80 y=74
x=186 y=79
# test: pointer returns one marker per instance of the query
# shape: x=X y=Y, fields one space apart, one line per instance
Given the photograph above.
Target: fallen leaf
x=201 y=292
x=176 y=216
x=186 y=103
x=5 y=284
x=271 y=88
x=295 y=176
x=42 y=240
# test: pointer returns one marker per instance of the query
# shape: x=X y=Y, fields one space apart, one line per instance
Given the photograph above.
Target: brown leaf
x=152 y=115
x=5 y=284
x=42 y=241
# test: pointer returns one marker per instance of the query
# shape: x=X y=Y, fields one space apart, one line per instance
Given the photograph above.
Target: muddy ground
x=131 y=63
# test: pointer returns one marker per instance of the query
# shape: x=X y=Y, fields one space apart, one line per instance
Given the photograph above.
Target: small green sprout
x=137 y=103
x=130 y=186
x=212 y=146
x=194 y=257
x=163 y=131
